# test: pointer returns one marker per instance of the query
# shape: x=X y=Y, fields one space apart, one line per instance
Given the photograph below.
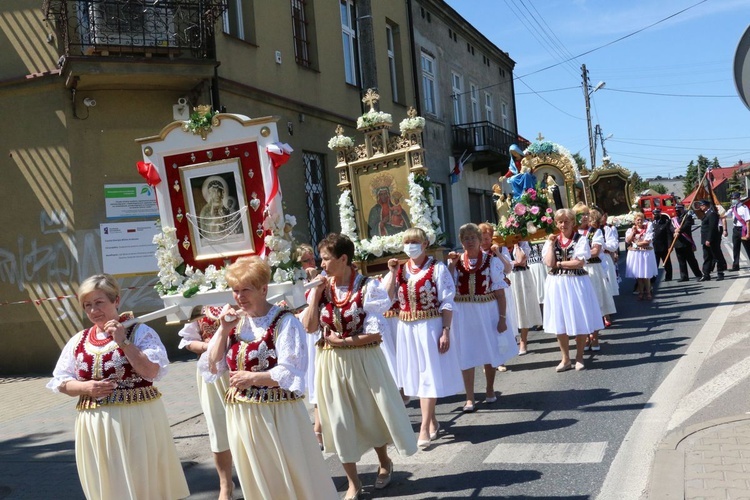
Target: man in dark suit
x=663 y=235
x=684 y=247
x=711 y=240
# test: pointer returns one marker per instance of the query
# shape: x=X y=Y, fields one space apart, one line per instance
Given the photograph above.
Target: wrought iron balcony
x=488 y=143
x=173 y=28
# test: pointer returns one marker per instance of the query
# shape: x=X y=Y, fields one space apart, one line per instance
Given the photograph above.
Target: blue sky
x=689 y=54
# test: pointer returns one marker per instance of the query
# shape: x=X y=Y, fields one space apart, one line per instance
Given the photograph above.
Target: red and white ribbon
x=279 y=154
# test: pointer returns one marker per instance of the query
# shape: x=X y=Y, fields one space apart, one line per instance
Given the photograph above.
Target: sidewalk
x=708 y=456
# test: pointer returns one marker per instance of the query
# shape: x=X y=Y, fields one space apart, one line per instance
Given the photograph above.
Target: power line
x=577 y=87
x=620 y=141
x=545 y=100
x=668 y=95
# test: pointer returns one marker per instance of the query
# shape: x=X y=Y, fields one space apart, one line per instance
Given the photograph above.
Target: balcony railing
x=484 y=136
x=177 y=28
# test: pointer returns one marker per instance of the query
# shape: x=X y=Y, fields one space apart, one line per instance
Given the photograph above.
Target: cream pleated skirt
x=641 y=264
x=275 y=453
x=359 y=404
x=212 y=404
x=127 y=452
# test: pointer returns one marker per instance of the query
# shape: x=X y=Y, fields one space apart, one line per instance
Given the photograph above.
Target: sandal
x=640 y=296
x=649 y=296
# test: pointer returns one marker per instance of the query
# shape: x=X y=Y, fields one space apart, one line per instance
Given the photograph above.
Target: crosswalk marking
x=442 y=451
x=547 y=453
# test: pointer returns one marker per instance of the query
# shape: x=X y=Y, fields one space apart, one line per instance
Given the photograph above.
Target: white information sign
x=130 y=200
x=128 y=248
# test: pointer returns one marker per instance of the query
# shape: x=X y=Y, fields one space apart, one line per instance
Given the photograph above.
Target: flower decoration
x=619 y=221
x=201 y=121
x=411 y=124
x=340 y=142
x=531 y=215
x=372 y=118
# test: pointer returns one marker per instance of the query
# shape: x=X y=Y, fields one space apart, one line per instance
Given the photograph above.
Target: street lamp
x=598 y=133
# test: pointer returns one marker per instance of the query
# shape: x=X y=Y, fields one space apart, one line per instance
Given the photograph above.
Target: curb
x=668 y=473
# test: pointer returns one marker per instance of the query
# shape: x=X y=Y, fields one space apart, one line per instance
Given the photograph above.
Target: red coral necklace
x=341 y=303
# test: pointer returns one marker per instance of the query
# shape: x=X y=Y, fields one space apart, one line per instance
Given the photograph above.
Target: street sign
x=742 y=68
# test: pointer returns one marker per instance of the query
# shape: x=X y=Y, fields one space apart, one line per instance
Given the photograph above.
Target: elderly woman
x=570 y=305
x=124 y=446
x=359 y=403
x=479 y=327
x=641 y=261
x=428 y=366
x=195 y=338
x=264 y=348
x=589 y=228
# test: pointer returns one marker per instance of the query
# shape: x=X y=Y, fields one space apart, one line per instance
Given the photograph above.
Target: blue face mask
x=735 y=202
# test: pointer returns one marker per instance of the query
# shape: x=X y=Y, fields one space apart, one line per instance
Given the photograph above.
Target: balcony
x=135 y=43
x=488 y=143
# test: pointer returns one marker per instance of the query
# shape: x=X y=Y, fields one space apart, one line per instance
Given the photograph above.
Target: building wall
x=444 y=35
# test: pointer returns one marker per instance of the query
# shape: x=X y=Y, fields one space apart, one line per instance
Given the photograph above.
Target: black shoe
x=667 y=279
x=704 y=278
x=682 y=280
x=735 y=268
x=720 y=278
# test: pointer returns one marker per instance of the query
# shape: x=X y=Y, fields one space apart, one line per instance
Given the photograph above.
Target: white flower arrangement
x=373 y=117
x=410 y=124
x=621 y=220
x=340 y=142
x=422 y=213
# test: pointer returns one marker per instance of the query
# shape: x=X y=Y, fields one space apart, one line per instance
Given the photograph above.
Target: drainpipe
x=414 y=66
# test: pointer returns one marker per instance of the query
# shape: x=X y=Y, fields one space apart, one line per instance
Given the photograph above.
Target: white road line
x=733 y=339
x=710 y=391
x=629 y=473
x=547 y=453
x=442 y=451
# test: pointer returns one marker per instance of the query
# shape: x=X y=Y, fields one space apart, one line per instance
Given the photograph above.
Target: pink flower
x=519 y=209
x=532 y=193
x=549 y=210
x=535 y=210
x=516 y=224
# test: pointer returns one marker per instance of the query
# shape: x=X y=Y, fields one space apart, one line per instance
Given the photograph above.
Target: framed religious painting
x=216 y=209
x=381 y=193
x=612 y=189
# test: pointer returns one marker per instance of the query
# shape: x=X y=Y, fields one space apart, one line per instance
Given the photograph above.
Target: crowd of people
x=359 y=351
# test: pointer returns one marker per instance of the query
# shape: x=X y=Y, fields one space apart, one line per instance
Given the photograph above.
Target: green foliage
x=531 y=209
x=659 y=188
x=638 y=183
x=580 y=160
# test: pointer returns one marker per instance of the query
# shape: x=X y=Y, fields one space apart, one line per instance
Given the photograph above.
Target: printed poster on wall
x=130 y=200
x=128 y=248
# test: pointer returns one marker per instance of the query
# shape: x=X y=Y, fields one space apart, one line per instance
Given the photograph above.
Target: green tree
x=735 y=184
x=638 y=183
x=580 y=160
x=695 y=171
x=659 y=188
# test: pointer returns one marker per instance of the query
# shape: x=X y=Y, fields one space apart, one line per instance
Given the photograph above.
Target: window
x=300 y=33
x=481 y=206
x=428 y=84
x=457 y=82
x=504 y=119
x=316 y=197
x=438 y=197
x=488 y=111
x=349 y=38
x=394 y=59
x=233 y=19
x=474 y=96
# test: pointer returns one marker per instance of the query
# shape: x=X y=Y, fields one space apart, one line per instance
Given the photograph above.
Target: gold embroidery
x=418 y=315
x=120 y=397
x=260 y=395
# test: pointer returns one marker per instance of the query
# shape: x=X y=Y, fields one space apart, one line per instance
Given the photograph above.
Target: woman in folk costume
x=123 y=444
x=610 y=256
x=528 y=312
x=570 y=305
x=611 y=240
x=427 y=362
x=359 y=403
x=502 y=253
x=641 y=261
x=264 y=348
x=538 y=272
x=195 y=337
x=479 y=330
x=595 y=236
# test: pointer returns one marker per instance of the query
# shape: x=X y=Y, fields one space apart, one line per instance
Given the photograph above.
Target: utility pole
x=586 y=96
x=366 y=35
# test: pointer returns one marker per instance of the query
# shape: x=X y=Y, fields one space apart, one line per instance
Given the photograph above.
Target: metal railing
x=485 y=136
x=177 y=28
